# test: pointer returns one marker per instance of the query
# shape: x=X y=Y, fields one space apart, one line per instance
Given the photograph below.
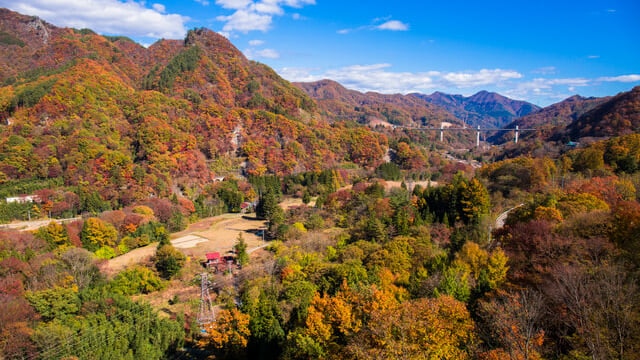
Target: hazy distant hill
x=484 y=108
x=130 y=121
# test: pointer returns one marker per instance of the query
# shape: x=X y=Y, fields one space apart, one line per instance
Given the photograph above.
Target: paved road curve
x=503 y=216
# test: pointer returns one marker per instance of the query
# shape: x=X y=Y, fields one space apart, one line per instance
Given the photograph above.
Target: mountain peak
x=487 y=96
x=209 y=38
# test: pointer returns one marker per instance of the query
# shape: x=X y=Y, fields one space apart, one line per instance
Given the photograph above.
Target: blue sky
x=540 y=51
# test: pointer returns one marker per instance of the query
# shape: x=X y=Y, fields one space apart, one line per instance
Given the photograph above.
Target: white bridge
x=478 y=130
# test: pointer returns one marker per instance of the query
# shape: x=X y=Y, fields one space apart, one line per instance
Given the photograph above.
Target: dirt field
x=423 y=183
x=218 y=233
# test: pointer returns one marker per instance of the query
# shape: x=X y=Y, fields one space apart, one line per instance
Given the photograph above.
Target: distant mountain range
x=484 y=108
x=573 y=118
x=371 y=108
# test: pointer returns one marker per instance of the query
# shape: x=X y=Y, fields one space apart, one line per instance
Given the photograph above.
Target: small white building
x=21 y=199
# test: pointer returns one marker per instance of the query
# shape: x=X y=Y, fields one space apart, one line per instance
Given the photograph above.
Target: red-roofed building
x=213 y=259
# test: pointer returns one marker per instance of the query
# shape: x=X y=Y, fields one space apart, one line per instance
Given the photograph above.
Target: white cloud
x=268 y=7
x=298 y=3
x=546 y=70
x=245 y=21
x=379 y=78
x=382 y=79
x=480 y=78
x=300 y=74
x=268 y=54
x=393 y=25
x=203 y=2
x=234 y=4
x=159 y=8
x=566 y=81
x=548 y=90
x=255 y=15
x=105 y=16
x=254 y=54
x=621 y=78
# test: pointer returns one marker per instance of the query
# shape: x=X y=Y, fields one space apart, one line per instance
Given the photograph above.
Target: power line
x=83 y=339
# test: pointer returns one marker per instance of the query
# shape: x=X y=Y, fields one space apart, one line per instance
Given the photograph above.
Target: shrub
x=169 y=261
x=137 y=280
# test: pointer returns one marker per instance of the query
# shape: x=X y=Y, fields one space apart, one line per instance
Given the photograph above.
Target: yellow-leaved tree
x=97 y=233
x=425 y=328
x=230 y=333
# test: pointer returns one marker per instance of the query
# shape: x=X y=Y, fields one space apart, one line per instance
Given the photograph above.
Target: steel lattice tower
x=205 y=316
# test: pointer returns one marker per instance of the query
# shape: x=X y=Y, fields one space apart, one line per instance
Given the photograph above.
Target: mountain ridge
x=373 y=108
x=484 y=108
x=551 y=119
x=487 y=109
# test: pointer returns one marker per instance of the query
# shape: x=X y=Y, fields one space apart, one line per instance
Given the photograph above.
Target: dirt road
x=219 y=233
x=33 y=225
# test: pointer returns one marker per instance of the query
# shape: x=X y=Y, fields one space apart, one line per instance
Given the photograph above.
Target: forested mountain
x=129 y=121
x=617 y=116
x=573 y=121
x=484 y=108
x=551 y=119
x=373 y=108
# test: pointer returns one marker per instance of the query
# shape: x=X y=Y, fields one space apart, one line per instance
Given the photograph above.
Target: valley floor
x=215 y=234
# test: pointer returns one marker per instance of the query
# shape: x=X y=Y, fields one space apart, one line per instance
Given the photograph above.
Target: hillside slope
x=619 y=115
x=550 y=120
x=128 y=122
